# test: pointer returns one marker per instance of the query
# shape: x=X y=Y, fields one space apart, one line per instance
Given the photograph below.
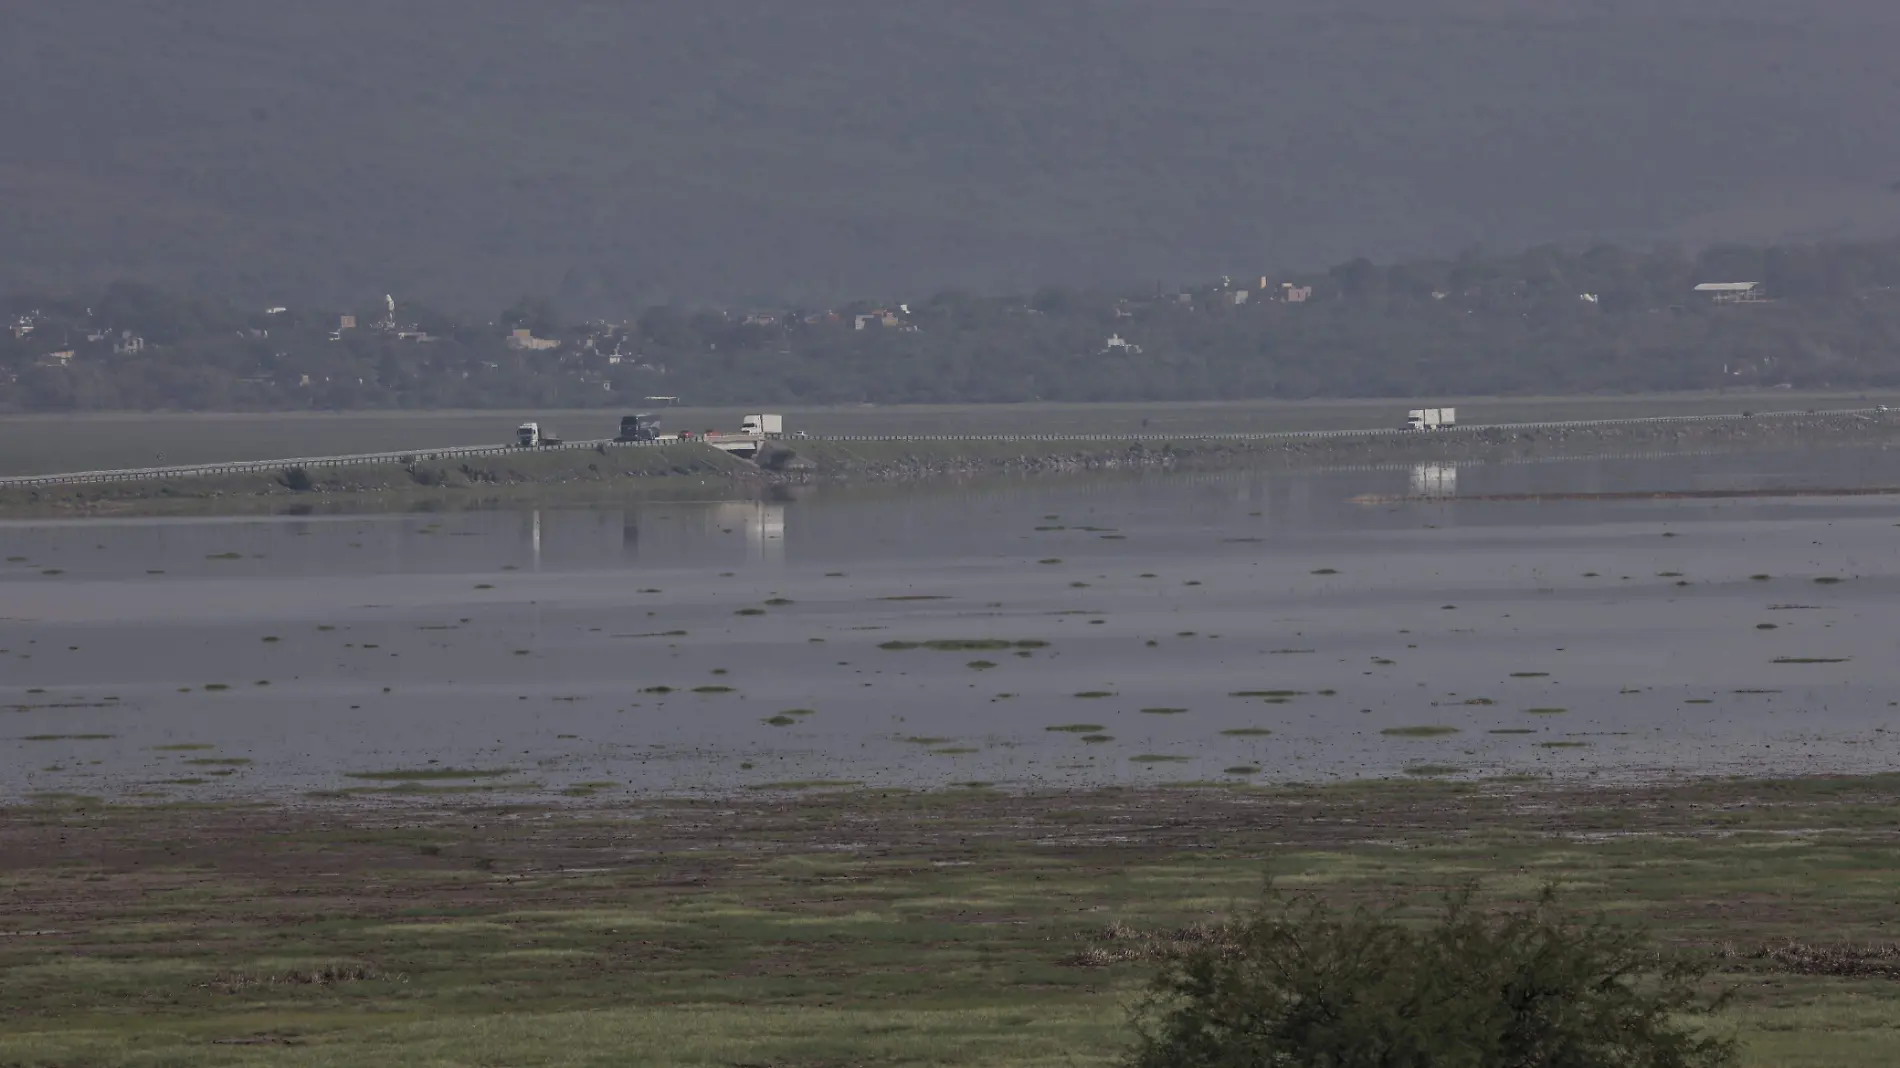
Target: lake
x=1243 y=626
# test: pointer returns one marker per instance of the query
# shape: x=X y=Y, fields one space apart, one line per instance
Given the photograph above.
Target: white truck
x=529 y=435
x=762 y=426
x=1431 y=419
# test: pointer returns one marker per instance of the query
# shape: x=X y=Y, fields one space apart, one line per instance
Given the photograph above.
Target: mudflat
x=959 y=926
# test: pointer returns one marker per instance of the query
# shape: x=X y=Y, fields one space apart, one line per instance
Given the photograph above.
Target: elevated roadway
x=746 y=445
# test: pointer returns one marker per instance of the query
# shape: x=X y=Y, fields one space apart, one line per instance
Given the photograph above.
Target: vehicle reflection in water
x=761 y=522
x=749 y=532
x=1434 y=480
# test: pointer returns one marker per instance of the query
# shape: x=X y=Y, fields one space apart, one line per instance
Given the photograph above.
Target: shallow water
x=534 y=641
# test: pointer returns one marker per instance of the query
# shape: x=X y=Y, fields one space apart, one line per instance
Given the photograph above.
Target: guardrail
x=455 y=452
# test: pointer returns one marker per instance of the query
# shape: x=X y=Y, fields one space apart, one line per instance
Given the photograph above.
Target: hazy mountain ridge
x=619 y=155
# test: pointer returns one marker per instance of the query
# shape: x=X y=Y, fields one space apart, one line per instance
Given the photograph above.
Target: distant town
x=1546 y=320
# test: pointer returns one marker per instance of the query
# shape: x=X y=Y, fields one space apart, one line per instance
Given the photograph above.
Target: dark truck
x=642 y=427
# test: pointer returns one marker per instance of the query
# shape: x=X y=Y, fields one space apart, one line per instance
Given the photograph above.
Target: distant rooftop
x=1726 y=287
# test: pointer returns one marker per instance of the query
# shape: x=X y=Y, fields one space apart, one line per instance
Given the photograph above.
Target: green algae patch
x=428 y=774
x=963 y=645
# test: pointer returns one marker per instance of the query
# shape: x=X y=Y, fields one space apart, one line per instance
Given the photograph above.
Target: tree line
x=1547 y=320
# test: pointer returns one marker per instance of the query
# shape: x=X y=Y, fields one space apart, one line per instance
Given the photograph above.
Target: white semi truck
x=530 y=435
x=762 y=426
x=1431 y=419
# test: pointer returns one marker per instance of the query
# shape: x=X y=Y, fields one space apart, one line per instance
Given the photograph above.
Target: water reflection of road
x=1435 y=480
x=581 y=537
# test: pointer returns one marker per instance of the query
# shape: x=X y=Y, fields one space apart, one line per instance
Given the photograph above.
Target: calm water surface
x=560 y=648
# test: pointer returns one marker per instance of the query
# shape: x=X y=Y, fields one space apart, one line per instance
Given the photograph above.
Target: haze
x=617 y=155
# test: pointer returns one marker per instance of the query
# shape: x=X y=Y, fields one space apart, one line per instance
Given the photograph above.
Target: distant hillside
x=616 y=155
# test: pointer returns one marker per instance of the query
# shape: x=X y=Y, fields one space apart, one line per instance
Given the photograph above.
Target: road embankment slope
x=578 y=473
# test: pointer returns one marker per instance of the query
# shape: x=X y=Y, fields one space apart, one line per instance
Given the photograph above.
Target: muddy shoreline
x=693 y=469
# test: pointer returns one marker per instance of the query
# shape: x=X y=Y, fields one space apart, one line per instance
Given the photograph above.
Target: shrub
x=297 y=480
x=1299 y=984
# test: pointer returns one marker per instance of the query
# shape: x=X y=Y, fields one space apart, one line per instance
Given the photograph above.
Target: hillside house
x=523 y=340
x=1732 y=292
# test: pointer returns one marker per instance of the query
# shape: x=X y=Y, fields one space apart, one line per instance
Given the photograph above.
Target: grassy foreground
x=861 y=927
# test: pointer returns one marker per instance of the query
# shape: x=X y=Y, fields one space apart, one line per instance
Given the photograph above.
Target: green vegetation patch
x=1545 y=711
x=67 y=737
x=428 y=774
x=1076 y=728
x=1157 y=758
x=963 y=645
x=1247 y=732
x=1431 y=770
x=1812 y=659
x=1268 y=693
x=1162 y=711
x=1422 y=731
